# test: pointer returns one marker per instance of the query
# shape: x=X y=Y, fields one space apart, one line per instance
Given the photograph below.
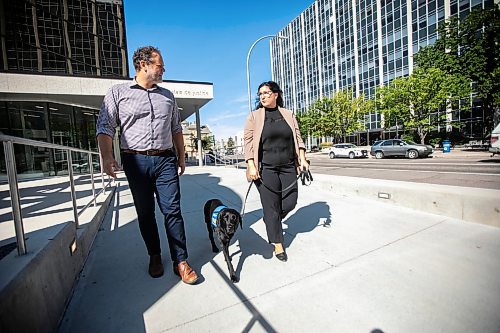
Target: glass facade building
x=57 y=38
x=361 y=44
x=74 y=37
x=50 y=122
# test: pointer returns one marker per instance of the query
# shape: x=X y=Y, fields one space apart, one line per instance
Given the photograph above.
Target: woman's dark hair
x=144 y=53
x=273 y=86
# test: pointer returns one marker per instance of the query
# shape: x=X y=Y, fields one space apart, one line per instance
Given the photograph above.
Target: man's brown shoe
x=155 y=266
x=187 y=274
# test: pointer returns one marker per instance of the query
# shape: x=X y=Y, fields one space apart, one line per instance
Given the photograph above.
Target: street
x=458 y=168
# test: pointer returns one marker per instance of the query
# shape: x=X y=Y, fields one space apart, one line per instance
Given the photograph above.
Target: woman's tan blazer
x=253 y=131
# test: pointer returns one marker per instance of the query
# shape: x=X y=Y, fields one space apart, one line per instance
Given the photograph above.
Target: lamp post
x=248 y=67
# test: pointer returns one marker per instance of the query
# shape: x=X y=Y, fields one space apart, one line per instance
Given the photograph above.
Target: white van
x=495 y=141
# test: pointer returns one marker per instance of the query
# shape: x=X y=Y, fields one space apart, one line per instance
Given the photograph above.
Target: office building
x=361 y=44
x=58 y=58
x=73 y=37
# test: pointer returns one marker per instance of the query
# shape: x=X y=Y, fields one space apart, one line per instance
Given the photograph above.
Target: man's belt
x=151 y=152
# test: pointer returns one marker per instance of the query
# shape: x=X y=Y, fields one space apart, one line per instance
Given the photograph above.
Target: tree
x=346 y=114
x=470 y=47
x=309 y=122
x=316 y=117
x=304 y=125
x=230 y=145
x=206 y=142
x=419 y=101
x=336 y=116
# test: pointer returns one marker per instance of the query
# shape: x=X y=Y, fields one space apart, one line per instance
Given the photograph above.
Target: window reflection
x=49 y=122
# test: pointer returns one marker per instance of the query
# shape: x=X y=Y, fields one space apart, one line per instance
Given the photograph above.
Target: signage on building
x=182 y=90
x=189 y=93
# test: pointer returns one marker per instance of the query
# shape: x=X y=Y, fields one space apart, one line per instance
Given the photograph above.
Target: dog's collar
x=215 y=214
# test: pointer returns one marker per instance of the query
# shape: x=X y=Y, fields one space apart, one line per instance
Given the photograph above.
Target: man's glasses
x=265 y=93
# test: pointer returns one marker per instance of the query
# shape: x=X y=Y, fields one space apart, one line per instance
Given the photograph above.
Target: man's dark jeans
x=157 y=175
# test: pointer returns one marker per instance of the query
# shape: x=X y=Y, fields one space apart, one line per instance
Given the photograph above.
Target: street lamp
x=248 y=68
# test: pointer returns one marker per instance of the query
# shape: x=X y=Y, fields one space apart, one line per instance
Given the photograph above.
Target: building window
x=48 y=44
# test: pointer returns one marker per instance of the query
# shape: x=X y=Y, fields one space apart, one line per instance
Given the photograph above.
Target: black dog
x=224 y=221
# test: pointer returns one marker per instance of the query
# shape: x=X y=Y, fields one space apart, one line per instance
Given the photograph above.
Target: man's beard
x=156 y=78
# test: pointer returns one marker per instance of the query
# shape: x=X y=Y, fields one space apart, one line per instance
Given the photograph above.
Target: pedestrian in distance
x=274 y=150
x=152 y=151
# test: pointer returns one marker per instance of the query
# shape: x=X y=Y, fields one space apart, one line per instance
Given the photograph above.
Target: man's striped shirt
x=147 y=117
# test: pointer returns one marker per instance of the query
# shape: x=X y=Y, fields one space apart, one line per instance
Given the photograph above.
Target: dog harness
x=215 y=214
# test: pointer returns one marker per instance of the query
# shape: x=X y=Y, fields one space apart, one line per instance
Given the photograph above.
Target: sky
x=208 y=41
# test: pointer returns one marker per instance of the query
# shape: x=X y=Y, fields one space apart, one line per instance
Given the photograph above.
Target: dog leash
x=304 y=175
x=245 y=201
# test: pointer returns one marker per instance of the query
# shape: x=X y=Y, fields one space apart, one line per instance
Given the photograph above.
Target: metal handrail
x=29 y=142
x=215 y=158
x=233 y=160
x=8 y=143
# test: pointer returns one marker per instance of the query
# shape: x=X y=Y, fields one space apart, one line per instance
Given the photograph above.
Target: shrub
x=325 y=144
x=435 y=142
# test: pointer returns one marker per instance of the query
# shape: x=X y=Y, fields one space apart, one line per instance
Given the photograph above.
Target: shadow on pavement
x=37 y=200
x=115 y=280
x=305 y=219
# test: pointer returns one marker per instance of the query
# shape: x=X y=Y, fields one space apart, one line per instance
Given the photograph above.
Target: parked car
x=396 y=147
x=495 y=141
x=346 y=150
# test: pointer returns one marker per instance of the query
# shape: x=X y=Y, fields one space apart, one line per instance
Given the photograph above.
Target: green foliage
x=470 y=48
x=310 y=122
x=435 y=141
x=206 y=142
x=408 y=137
x=337 y=116
x=420 y=100
x=304 y=124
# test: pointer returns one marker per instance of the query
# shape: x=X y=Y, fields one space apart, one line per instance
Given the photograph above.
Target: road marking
x=416 y=163
x=408 y=170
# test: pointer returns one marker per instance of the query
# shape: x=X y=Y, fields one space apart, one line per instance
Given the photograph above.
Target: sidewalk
x=355 y=265
x=462 y=153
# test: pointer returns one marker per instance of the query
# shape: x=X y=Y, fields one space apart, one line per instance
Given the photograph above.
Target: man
x=150 y=128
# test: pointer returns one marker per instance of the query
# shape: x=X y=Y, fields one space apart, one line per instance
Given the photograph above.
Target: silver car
x=346 y=150
x=396 y=147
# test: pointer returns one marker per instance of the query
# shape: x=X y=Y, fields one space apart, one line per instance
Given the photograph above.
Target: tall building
x=360 y=44
x=58 y=58
x=74 y=37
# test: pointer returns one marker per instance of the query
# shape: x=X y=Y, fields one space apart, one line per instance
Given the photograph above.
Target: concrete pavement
x=355 y=265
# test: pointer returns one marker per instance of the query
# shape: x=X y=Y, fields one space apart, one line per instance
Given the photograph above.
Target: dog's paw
x=235 y=279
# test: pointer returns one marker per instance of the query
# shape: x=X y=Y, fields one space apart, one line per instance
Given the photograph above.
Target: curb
x=469 y=204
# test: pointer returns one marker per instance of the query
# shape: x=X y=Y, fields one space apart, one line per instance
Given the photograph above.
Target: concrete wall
x=34 y=301
x=469 y=204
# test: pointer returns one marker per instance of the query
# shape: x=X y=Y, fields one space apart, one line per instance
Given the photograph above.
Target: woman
x=273 y=151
